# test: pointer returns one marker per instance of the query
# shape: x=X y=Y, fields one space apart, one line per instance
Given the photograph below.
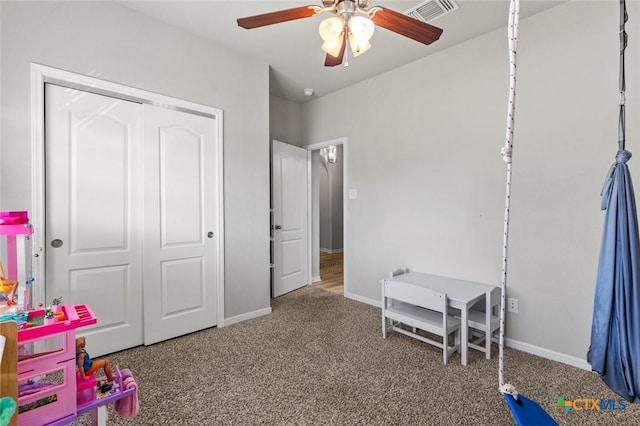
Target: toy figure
x=87 y=366
x=7 y=287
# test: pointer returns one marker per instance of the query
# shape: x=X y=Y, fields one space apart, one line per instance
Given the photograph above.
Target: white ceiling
x=292 y=49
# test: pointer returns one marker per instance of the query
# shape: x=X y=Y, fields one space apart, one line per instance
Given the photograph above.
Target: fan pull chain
x=346 y=48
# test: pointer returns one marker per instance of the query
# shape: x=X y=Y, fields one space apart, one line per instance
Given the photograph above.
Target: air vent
x=431 y=10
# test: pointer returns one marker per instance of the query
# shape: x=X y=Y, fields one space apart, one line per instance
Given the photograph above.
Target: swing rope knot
x=623 y=156
x=506 y=154
x=509 y=389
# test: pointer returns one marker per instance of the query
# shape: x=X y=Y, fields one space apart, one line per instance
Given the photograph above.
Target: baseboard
x=325 y=250
x=366 y=300
x=511 y=343
x=247 y=316
x=315 y=279
x=548 y=354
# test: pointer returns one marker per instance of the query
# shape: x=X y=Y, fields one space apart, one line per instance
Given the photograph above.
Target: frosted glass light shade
x=333 y=47
x=358 y=46
x=331 y=28
x=361 y=27
x=329 y=154
x=332 y=154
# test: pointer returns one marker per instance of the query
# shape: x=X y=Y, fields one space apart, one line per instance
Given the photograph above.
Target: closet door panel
x=94 y=194
x=181 y=176
x=182 y=196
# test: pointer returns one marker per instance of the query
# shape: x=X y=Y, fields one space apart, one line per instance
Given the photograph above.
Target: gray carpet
x=320 y=359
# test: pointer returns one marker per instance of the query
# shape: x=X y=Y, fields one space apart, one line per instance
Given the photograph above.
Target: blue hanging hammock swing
x=614 y=352
x=525 y=411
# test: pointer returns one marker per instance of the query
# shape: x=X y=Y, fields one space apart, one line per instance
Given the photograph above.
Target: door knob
x=57 y=243
x=277 y=227
x=209 y=234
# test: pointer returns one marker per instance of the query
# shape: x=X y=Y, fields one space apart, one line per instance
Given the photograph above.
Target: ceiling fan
x=353 y=20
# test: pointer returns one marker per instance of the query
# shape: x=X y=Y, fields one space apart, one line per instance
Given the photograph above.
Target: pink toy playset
x=50 y=389
x=47 y=366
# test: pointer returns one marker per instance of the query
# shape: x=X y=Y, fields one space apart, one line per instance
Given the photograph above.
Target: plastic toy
x=48 y=312
x=15 y=249
x=87 y=366
x=45 y=356
x=85 y=388
x=56 y=303
x=50 y=389
x=7 y=287
x=7 y=408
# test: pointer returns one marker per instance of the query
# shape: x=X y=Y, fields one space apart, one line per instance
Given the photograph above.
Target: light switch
x=353 y=194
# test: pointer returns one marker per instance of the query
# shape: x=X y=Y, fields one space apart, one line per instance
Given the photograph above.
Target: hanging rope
x=514 y=17
x=621 y=81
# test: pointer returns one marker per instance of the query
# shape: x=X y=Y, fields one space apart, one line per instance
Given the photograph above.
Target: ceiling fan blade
x=332 y=61
x=406 y=26
x=276 y=17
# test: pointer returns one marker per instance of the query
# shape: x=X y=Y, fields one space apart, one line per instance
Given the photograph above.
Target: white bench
x=421 y=309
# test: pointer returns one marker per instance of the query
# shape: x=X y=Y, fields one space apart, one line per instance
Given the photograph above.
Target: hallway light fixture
x=329 y=154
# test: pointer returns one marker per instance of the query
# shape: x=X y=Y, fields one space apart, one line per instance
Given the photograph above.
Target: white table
x=461 y=295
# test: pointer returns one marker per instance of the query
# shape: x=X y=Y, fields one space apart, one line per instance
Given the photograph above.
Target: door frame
x=42 y=74
x=345 y=206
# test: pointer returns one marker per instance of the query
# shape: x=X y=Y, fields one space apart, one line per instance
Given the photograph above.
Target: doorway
x=328 y=215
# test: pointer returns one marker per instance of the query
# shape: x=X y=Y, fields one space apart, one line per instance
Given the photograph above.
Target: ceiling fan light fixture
x=353 y=19
x=331 y=28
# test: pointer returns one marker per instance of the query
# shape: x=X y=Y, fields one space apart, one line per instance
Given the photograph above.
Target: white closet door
x=94 y=212
x=181 y=199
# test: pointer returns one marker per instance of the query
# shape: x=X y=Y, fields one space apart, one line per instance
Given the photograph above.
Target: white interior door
x=289 y=185
x=94 y=212
x=181 y=245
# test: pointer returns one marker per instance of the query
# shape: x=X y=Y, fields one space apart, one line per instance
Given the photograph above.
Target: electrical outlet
x=512 y=305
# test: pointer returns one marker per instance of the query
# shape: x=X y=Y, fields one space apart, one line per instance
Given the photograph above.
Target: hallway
x=331 y=272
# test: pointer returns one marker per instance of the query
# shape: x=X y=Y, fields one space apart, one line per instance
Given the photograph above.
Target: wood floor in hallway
x=331 y=272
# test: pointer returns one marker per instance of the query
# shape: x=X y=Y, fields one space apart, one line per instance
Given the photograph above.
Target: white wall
x=425 y=161
x=108 y=41
x=337 y=211
x=285 y=121
x=325 y=206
